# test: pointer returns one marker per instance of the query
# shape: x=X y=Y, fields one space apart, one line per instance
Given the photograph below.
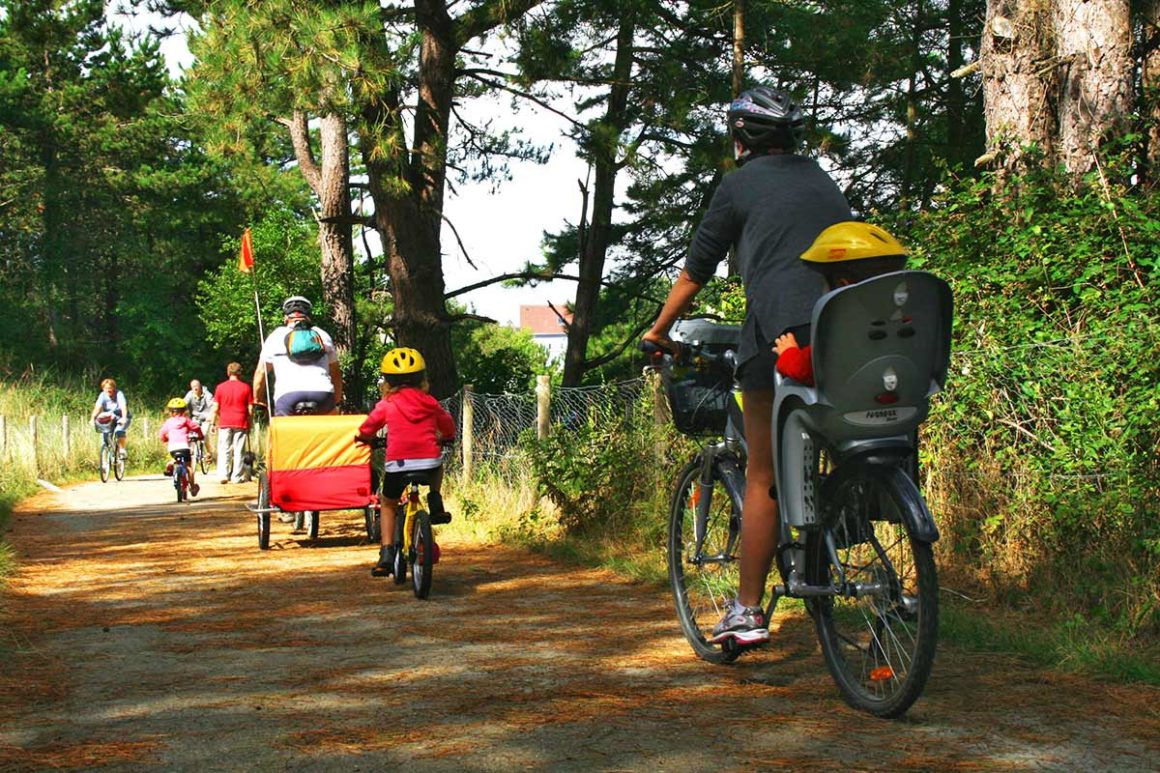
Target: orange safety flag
x=316 y=465
x=246 y=258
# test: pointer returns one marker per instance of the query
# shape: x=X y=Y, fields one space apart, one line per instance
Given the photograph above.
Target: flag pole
x=246 y=265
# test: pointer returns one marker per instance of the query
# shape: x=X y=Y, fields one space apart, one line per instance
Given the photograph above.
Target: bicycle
x=198 y=452
x=415 y=539
x=110 y=459
x=180 y=477
x=866 y=569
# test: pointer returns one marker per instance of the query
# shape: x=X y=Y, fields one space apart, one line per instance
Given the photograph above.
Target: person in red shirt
x=230 y=418
x=416 y=426
x=844 y=254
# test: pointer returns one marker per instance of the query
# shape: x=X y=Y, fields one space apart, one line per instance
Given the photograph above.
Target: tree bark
x=1016 y=46
x=329 y=179
x=606 y=155
x=1150 y=84
x=1093 y=41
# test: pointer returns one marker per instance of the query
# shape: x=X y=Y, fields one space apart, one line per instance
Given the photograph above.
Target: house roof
x=541 y=320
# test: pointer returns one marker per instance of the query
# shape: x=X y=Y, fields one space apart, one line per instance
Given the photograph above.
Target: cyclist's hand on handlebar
x=657 y=344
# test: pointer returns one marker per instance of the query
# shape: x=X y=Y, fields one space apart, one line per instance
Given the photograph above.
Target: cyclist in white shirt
x=303 y=360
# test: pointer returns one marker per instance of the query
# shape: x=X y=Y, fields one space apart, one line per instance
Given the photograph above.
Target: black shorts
x=394 y=483
x=182 y=454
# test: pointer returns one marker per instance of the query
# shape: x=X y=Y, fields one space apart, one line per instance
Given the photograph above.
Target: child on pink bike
x=176 y=432
x=416 y=425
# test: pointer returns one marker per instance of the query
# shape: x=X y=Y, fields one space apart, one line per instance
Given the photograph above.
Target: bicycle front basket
x=698 y=399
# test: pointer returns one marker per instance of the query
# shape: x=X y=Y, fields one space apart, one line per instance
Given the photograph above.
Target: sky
x=502 y=229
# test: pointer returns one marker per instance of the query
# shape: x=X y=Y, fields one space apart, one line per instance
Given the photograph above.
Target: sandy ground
x=142 y=634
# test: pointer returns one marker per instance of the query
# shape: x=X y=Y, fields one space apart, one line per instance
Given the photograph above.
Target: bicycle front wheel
x=106 y=461
x=202 y=458
x=118 y=464
x=878 y=638
x=703 y=545
x=422 y=554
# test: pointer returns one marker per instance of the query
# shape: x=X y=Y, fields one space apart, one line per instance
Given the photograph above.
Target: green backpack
x=304 y=344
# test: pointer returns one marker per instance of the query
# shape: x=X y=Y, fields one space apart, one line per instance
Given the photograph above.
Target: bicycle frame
x=411 y=507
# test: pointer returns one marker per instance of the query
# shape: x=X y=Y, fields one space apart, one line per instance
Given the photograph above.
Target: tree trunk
x=1093 y=50
x=606 y=152
x=1150 y=85
x=1016 y=95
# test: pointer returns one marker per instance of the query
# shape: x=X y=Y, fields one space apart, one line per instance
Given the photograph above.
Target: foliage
x=285 y=264
x=496 y=359
x=1042 y=454
x=603 y=473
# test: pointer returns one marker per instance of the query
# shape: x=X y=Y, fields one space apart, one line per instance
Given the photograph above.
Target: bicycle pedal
x=441 y=518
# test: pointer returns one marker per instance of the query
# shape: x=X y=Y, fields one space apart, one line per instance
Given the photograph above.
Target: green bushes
x=1042 y=455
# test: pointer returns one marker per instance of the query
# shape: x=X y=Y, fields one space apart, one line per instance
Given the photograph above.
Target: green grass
x=1076 y=645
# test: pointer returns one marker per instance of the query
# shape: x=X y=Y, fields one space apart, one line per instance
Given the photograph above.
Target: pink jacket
x=415 y=422
x=177 y=429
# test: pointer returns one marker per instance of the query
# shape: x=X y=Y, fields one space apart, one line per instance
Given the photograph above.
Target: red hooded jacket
x=415 y=423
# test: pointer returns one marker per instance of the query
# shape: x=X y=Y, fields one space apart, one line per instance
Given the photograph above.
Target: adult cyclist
x=769 y=212
x=112 y=408
x=200 y=401
x=303 y=360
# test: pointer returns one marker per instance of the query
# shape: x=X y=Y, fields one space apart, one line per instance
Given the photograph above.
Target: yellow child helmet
x=401 y=361
x=176 y=404
x=853 y=240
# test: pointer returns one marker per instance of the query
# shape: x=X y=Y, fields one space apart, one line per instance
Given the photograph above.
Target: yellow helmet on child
x=176 y=404
x=401 y=361
x=853 y=240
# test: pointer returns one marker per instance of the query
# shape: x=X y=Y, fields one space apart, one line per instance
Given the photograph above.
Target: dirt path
x=139 y=634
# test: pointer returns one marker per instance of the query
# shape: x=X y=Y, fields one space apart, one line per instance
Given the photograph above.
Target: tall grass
x=67 y=446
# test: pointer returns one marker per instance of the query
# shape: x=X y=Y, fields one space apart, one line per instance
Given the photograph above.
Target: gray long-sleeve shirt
x=770 y=211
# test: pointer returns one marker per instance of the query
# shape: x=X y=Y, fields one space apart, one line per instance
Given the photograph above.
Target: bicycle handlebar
x=692 y=353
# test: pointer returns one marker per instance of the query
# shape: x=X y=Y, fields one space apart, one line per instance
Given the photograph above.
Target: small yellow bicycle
x=414 y=539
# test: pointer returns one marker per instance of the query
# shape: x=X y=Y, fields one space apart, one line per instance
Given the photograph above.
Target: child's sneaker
x=194 y=489
x=386 y=564
x=435 y=509
x=745 y=625
x=169 y=470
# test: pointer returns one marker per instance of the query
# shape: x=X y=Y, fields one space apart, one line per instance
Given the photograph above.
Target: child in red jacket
x=416 y=426
x=845 y=254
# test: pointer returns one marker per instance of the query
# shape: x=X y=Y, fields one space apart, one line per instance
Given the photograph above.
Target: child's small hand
x=784 y=341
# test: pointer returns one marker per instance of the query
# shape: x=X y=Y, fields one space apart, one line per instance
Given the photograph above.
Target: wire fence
x=499 y=422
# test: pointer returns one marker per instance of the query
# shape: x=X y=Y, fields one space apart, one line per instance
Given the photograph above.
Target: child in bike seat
x=176 y=433
x=416 y=425
x=844 y=254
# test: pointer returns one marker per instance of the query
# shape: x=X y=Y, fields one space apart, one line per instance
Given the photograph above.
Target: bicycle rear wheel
x=180 y=481
x=879 y=643
x=703 y=572
x=263 y=518
x=371 y=521
x=422 y=554
x=106 y=463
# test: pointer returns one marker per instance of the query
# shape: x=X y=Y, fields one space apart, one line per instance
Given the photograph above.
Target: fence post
x=3 y=435
x=65 y=438
x=660 y=401
x=543 y=405
x=468 y=422
x=33 y=436
x=144 y=427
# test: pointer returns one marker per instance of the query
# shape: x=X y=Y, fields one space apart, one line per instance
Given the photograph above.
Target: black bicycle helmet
x=296 y=304
x=764 y=119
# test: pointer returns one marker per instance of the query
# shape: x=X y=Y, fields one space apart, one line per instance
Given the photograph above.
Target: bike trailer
x=314 y=463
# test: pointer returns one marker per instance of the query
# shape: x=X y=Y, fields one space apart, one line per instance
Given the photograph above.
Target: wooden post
x=35 y=440
x=468 y=422
x=660 y=400
x=543 y=405
x=3 y=436
x=65 y=438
